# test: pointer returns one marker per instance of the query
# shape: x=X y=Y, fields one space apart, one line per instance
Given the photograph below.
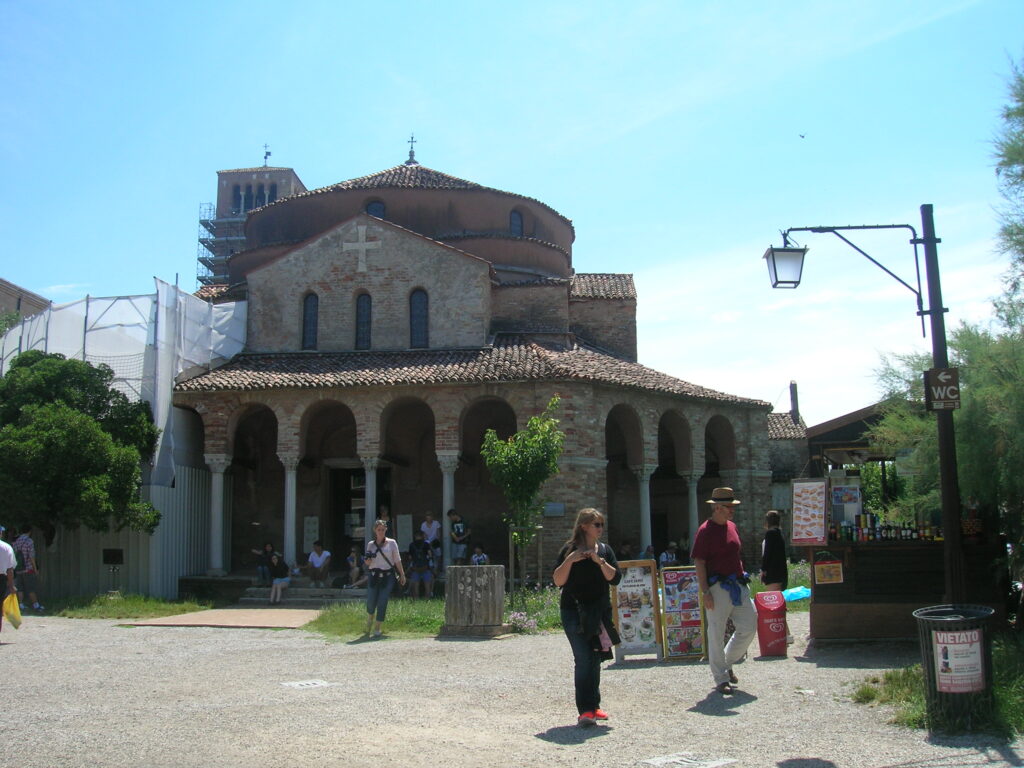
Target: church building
x=392 y=320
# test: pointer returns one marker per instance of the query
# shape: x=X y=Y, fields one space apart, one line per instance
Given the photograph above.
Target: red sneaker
x=600 y=714
x=585 y=720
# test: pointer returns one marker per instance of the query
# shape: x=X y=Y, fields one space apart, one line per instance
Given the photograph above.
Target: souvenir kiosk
x=868 y=577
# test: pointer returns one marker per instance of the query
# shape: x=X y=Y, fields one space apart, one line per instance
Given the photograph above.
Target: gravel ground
x=95 y=693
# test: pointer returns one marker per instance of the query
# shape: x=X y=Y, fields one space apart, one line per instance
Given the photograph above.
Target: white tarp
x=147 y=340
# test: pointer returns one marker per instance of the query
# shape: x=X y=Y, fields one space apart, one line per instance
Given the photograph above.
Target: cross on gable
x=361 y=245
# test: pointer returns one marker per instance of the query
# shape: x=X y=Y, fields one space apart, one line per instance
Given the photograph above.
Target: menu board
x=809 y=512
x=637 y=610
x=684 y=625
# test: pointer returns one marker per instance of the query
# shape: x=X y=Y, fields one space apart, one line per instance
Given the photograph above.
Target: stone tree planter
x=474 y=602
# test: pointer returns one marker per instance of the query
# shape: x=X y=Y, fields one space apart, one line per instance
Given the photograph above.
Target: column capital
x=289 y=460
x=217 y=462
x=643 y=472
x=694 y=476
x=370 y=463
x=449 y=460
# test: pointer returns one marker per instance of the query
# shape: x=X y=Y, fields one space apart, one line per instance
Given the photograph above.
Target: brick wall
x=458 y=286
x=532 y=307
x=606 y=323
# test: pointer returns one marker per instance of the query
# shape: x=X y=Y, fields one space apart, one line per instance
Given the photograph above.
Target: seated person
x=279 y=578
x=669 y=557
x=421 y=566
x=479 y=556
x=319 y=564
x=356 y=576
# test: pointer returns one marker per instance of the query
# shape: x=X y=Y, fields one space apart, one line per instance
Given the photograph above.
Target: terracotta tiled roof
x=537 y=281
x=220 y=292
x=210 y=292
x=782 y=427
x=255 y=170
x=510 y=359
x=409 y=176
x=602 y=286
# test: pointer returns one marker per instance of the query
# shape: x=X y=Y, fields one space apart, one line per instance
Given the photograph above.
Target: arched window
x=364 y=307
x=236 y=199
x=419 y=316
x=310 y=313
x=247 y=203
x=260 y=196
x=515 y=223
x=376 y=208
x=273 y=193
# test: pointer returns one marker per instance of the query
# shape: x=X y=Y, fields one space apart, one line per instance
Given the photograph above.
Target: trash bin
x=771 y=623
x=956 y=657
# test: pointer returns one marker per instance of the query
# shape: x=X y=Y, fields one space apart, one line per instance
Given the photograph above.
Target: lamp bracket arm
x=836 y=231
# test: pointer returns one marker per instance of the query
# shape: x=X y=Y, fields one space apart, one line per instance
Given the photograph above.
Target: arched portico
x=672 y=482
x=625 y=473
x=477 y=499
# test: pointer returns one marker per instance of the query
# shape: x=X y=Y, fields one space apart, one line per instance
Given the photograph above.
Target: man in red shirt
x=723 y=585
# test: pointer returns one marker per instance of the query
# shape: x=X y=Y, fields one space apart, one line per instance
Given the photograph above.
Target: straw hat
x=722 y=496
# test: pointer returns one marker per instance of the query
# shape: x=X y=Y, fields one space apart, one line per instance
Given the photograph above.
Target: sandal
x=732 y=678
x=725 y=688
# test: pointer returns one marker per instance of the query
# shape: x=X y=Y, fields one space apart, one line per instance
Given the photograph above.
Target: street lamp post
x=785 y=266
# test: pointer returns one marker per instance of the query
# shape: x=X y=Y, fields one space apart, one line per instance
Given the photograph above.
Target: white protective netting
x=148 y=341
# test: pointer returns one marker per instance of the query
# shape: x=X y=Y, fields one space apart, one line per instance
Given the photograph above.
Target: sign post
x=942 y=389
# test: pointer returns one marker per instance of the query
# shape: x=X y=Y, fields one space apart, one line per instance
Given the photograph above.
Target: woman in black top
x=774 y=569
x=584 y=569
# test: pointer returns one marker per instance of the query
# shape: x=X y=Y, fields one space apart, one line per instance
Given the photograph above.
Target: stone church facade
x=392 y=320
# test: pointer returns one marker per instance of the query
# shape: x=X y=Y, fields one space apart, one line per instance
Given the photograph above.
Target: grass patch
x=799 y=576
x=118 y=606
x=904 y=690
x=405 y=618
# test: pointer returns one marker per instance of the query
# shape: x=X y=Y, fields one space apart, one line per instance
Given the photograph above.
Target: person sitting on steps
x=279 y=578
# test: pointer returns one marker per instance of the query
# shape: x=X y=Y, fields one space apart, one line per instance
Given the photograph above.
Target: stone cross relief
x=362 y=246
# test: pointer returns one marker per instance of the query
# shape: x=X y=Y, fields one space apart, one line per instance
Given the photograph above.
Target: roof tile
x=510 y=359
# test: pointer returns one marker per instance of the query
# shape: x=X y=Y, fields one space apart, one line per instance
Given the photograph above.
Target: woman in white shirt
x=382 y=561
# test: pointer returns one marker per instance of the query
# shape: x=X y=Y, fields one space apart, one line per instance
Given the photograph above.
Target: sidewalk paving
x=251 y=618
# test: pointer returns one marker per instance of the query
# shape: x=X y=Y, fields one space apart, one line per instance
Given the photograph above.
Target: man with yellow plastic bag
x=7 y=563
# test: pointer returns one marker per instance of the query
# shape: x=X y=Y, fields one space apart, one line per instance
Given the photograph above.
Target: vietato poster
x=810 y=508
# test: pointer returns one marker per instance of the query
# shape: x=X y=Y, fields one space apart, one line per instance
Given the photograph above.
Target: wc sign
x=942 y=389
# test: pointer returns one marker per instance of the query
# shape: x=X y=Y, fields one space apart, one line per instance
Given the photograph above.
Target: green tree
x=1009 y=147
x=8 y=320
x=71 y=446
x=519 y=466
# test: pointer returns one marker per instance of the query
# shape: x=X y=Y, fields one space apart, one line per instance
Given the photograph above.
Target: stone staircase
x=301 y=594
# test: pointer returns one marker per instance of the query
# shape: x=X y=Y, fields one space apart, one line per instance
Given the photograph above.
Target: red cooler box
x=771 y=623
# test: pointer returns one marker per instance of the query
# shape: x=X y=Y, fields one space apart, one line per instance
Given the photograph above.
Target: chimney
x=794 y=404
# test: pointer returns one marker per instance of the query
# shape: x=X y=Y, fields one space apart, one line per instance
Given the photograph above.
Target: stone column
x=694 y=513
x=218 y=464
x=291 y=464
x=449 y=461
x=370 y=465
x=643 y=475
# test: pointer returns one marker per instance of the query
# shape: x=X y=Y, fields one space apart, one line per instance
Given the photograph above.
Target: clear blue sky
x=679 y=137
